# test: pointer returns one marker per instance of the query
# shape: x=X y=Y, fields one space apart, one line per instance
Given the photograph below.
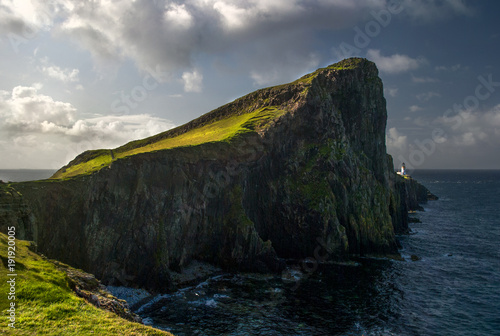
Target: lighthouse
x=402 y=172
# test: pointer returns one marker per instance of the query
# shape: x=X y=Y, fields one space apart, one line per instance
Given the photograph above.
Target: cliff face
x=309 y=171
x=15 y=212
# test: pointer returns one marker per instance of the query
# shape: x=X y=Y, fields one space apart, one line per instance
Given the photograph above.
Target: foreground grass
x=45 y=304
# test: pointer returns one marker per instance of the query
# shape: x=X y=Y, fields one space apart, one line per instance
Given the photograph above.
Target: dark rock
x=415 y=257
x=15 y=212
x=414 y=220
x=431 y=196
x=86 y=286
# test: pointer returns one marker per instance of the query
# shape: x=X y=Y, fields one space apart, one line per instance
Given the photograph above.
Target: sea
x=451 y=286
x=22 y=175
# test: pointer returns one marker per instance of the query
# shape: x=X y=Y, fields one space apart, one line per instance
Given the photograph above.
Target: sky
x=80 y=75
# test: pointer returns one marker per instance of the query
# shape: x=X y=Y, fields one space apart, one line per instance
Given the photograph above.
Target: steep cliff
x=275 y=174
x=15 y=212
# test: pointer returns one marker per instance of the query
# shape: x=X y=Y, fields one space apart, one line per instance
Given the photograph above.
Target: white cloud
x=64 y=75
x=172 y=35
x=391 y=92
x=26 y=18
x=395 y=141
x=233 y=16
x=469 y=128
x=468 y=139
x=30 y=120
x=394 y=64
x=25 y=109
x=119 y=128
x=193 y=81
x=178 y=16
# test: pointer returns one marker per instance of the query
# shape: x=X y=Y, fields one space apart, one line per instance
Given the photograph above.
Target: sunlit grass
x=220 y=130
x=45 y=304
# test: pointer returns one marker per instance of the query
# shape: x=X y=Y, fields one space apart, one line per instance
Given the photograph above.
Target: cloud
x=113 y=130
x=415 y=108
x=171 y=35
x=179 y=16
x=469 y=128
x=394 y=64
x=395 y=141
x=63 y=75
x=26 y=18
x=391 y=92
x=468 y=139
x=193 y=81
x=24 y=109
x=30 y=119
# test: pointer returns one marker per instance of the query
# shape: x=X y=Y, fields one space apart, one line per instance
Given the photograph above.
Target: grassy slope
x=220 y=130
x=45 y=304
x=221 y=124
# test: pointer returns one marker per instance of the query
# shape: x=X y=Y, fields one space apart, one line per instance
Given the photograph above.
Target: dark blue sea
x=454 y=289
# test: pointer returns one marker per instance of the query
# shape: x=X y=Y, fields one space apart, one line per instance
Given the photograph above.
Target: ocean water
x=21 y=175
x=454 y=289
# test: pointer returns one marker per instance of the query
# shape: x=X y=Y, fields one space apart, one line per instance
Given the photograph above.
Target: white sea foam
x=131 y=295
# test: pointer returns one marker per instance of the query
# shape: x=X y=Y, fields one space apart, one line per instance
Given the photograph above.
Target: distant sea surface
x=21 y=175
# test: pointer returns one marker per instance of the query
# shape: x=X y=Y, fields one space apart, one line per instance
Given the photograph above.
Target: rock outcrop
x=309 y=171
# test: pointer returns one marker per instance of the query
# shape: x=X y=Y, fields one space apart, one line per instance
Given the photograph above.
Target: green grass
x=220 y=130
x=347 y=64
x=45 y=304
x=89 y=166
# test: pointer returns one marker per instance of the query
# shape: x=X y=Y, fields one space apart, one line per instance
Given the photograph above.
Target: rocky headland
x=273 y=175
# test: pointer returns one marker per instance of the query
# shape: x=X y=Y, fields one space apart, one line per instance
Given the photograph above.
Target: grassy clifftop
x=251 y=113
x=46 y=305
x=217 y=130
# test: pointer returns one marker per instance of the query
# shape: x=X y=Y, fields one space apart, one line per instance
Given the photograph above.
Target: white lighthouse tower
x=403 y=170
